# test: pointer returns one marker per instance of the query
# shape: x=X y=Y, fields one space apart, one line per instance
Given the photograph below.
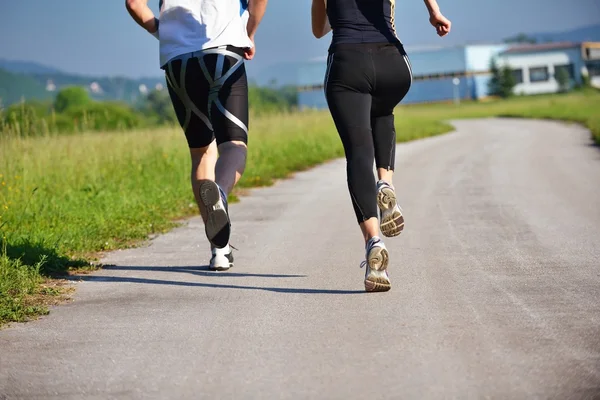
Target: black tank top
x=362 y=21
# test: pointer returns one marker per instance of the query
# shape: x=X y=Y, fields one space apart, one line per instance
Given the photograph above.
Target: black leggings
x=363 y=84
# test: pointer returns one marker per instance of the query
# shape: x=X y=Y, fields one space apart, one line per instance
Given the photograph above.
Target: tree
x=158 y=105
x=507 y=82
x=494 y=83
x=563 y=79
x=502 y=81
x=521 y=38
x=71 y=97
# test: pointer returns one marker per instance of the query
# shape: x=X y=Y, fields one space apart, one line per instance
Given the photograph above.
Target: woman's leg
x=348 y=90
x=351 y=113
x=394 y=78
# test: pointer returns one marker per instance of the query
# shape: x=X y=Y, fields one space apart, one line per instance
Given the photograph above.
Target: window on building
x=517 y=75
x=538 y=74
x=570 y=68
x=593 y=69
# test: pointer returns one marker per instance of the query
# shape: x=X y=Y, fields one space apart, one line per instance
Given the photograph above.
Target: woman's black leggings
x=363 y=84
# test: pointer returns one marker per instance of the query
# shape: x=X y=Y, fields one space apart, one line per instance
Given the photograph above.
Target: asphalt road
x=495 y=289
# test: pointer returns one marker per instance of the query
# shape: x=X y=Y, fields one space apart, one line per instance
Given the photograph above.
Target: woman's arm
x=320 y=23
x=440 y=23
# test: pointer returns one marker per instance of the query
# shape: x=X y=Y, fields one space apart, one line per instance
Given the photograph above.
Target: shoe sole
x=217 y=219
x=392 y=220
x=377 y=279
x=220 y=268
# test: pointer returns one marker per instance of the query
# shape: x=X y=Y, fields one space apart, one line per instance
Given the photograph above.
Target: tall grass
x=64 y=198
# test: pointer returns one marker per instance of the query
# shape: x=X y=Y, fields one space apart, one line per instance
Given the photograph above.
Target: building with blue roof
x=535 y=67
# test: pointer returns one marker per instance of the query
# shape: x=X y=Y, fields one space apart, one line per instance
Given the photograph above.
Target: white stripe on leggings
x=407 y=61
x=328 y=71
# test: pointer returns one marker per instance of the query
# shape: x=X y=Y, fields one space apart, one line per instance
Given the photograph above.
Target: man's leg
x=231 y=164
x=228 y=105
x=204 y=160
x=189 y=90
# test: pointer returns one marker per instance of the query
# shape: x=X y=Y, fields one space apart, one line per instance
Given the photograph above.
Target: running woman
x=368 y=74
x=203 y=45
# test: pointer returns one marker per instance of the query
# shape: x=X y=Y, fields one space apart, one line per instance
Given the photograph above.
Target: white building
x=96 y=88
x=535 y=66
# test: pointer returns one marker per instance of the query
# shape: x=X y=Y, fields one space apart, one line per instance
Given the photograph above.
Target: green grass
x=581 y=106
x=19 y=282
x=63 y=199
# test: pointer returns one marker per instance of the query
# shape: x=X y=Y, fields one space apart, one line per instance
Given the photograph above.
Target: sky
x=100 y=38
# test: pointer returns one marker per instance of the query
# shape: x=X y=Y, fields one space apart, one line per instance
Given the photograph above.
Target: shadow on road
x=203 y=271
x=197 y=270
x=31 y=253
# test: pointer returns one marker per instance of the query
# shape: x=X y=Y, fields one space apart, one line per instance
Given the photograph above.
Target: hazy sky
x=99 y=38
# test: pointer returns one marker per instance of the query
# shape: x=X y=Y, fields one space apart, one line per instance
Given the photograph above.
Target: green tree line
x=73 y=110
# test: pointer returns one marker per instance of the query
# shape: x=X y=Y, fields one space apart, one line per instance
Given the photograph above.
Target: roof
x=533 y=48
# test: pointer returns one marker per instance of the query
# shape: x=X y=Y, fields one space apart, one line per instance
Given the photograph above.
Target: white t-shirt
x=186 y=26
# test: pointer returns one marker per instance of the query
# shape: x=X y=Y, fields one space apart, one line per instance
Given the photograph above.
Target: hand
x=441 y=24
x=250 y=51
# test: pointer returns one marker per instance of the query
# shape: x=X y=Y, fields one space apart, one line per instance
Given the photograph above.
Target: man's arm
x=320 y=23
x=256 y=9
x=142 y=14
x=442 y=24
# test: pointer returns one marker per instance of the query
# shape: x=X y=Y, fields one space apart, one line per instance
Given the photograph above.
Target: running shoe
x=218 y=225
x=391 y=220
x=222 y=259
x=377 y=258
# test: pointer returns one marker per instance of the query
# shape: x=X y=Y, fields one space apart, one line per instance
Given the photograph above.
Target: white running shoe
x=391 y=220
x=377 y=258
x=222 y=259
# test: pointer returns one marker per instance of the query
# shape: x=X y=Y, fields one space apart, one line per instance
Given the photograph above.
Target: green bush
x=157 y=107
x=265 y=100
x=74 y=96
x=563 y=79
x=502 y=82
x=105 y=116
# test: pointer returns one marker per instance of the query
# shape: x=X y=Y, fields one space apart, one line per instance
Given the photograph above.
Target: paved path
x=496 y=290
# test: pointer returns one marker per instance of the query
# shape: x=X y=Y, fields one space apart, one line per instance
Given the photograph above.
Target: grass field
x=65 y=198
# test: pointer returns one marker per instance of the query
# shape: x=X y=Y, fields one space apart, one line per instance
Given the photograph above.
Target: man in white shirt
x=203 y=45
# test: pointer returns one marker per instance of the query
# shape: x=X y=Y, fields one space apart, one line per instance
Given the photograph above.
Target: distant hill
x=589 y=33
x=586 y=34
x=33 y=81
x=26 y=67
x=14 y=87
x=103 y=88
